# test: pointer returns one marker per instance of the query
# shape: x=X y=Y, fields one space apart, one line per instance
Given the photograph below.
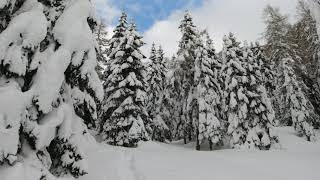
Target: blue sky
x=146 y=12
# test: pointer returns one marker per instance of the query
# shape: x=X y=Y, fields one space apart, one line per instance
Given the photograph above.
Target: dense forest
x=200 y=94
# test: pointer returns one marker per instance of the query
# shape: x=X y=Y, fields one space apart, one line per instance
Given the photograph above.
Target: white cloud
x=243 y=17
x=106 y=10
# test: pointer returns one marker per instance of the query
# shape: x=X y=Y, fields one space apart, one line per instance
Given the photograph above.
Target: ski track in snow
x=131 y=158
x=112 y=163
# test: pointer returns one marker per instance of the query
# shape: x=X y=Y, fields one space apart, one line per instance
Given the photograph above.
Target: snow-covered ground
x=296 y=160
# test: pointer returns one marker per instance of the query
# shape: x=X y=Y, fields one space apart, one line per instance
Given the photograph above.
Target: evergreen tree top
x=134 y=36
x=132 y=26
x=153 y=53
x=121 y=26
x=187 y=21
x=189 y=37
x=160 y=54
x=230 y=41
x=232 y=54
x=209 y=42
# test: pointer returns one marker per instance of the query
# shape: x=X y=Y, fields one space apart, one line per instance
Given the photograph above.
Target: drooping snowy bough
x=48 y=83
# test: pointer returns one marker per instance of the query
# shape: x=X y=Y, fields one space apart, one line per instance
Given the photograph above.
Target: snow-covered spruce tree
x=216 y=65
x=186 y=59
x=156 y=77
x=266 y=68
x=173 y=101
x=125 y=112
x=118 y=33
x=163 y=131
x=172 y=113
x=260 y=115
x=235 y=102
x=207 y=96
x=150 y=64
x=49 y=86
x=208 y=45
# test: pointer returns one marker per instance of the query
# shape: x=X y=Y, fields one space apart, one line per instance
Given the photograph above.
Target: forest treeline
x=234 y=97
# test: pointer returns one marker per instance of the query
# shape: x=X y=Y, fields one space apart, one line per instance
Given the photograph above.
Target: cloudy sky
x=158 y=20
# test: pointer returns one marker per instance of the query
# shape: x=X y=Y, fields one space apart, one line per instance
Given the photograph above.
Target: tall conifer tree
x=125 y=114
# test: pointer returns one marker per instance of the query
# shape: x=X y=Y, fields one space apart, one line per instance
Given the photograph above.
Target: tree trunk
x=210 y=144
x=153 y=134
x=185 y=137
x=190 y=135
x=198 y=142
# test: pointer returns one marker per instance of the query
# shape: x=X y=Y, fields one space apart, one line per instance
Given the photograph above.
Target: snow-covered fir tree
x=248 y=108
x=208 y=44
x=185 y=72
x=125 y=114
x=266 y=68
x=208 y=122
x=113 y=43
x=173 y=102
x=163 y=131
x=118 y=34
x=260 y=115
x=156 y=77
x=235 y=102
x=49 y=86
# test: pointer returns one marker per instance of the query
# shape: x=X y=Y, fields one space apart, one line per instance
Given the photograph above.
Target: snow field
x=297 y=159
